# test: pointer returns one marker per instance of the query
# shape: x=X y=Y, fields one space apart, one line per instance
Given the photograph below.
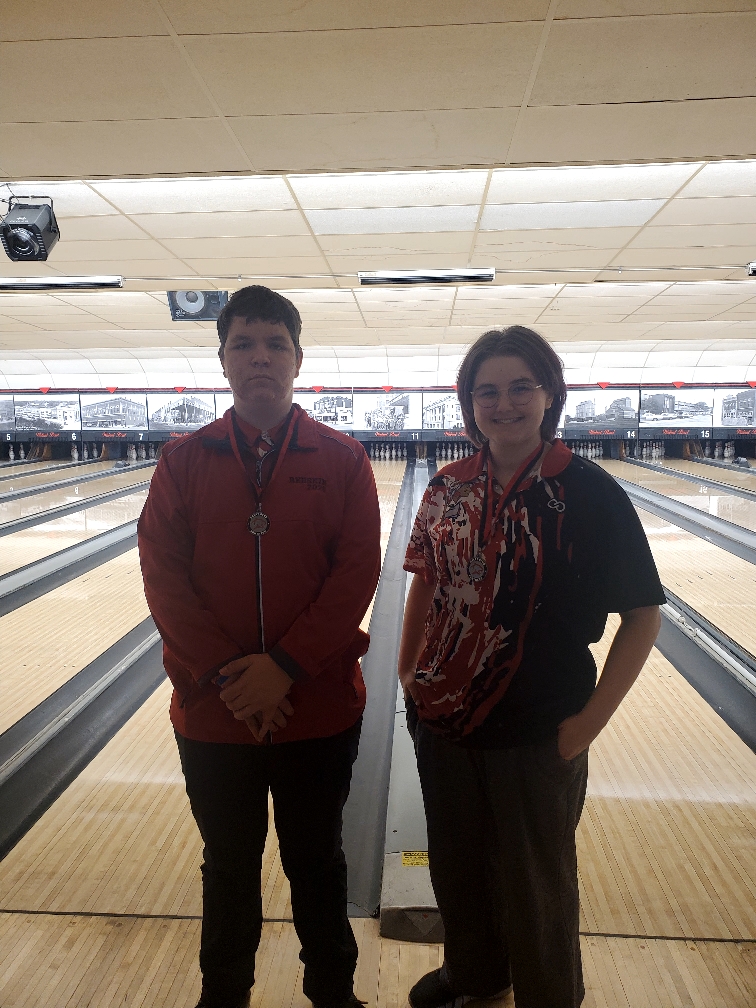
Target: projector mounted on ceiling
x=428 y=276
x=196 y=306
x=29 y=230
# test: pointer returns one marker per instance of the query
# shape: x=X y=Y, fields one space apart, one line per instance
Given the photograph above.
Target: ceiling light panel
x=724 y=178
x=386 y=220
x=389 y=189
x=603 y=182
x=71 y=199
x=609 y=213
x=261 y=192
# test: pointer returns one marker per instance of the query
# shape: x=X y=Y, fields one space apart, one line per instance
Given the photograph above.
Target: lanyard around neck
x=490 y=513
x=257 y=492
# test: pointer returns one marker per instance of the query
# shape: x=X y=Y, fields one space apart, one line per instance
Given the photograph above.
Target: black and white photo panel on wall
x=600 y=413
x=388 y=412
x=47 y=413
x=180 y=411
x=126 y=411
x=336 y=409
x=442 y=411
x=677 y=412
x=735 y=412
x=223 y=401
x=7 y=416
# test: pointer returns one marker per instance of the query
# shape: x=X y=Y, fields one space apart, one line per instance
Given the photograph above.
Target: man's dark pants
x=228 y=787
x=501 y=845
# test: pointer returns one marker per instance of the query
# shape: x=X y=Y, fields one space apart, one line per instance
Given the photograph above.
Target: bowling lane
x=718 y=585
x=388 y=481
x=27 y=506
x=47 y=641
x=745 y=480
x=27 y=480
x=121 y=838
x=32 y=544
x=703 y=497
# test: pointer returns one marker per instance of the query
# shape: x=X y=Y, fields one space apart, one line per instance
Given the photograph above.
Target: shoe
x=435 y=991
x=208 y=1001
x=351 y=1002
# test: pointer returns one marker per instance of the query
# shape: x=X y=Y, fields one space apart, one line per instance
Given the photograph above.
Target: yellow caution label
x=415 y=858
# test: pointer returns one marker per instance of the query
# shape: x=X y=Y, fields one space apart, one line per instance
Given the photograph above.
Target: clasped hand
x=256 y=693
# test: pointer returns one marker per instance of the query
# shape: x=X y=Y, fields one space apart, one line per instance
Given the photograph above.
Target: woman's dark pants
x=501 y=844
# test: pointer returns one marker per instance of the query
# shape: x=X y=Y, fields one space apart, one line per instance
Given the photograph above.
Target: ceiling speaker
x=196 y=306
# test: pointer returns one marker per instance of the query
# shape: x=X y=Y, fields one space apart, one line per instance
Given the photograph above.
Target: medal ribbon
x=490 y=515
x=257 y=492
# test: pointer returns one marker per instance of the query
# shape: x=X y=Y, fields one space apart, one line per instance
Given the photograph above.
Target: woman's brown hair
x=514 y=341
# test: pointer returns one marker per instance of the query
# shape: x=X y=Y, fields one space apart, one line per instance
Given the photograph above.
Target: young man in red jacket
x=259 y=545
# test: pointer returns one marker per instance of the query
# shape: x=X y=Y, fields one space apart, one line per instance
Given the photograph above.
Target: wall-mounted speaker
x=196 y=306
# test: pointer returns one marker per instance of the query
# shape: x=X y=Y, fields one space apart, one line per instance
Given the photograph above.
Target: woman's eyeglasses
x=518 y=393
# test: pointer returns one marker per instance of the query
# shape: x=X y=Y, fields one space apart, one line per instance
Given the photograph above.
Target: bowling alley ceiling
x=596 y=152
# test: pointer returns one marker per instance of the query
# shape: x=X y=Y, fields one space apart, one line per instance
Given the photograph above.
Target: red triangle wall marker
x=179 y=388
x=45 y=389
x=752 y=384
x=318 y=388
x=603 y=384
x=387 y=388
x=678 y=384
x=112 y=388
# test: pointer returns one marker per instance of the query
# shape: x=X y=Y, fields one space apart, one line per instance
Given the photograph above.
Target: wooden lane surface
x=47 y=641
x=109 y=963
x=24 y=481
x=31 y=544
x=11 y=510
x=714 y=502
x=665 y=845
x=745 y=480
x=718 y=585
x=388 y=480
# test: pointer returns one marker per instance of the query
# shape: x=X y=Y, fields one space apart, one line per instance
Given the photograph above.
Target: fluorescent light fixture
x=751 y=268
x=59 y=283
x=428 y=276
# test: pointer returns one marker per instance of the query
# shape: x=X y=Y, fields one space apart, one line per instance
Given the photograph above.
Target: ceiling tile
x=126 y=267
x=123 y=147
x=389 y=220
x=703 y=235
x=716 y=256
x=191 y=17
x=724 y=210
x=609 y=213
x=560 y=240
x=262 y=192
x=389 y=189
x=70 y=199
x=270 y=248
x=84 y=19
x=97 y=229
x=112 y=78
x=220 y=224
x=637 y=132
x=76 y=251
x=726 y=178
x=694 y=57
x=258 y=267
x=337 y=142
x=430 y=260
x=610 y=8
x=458 y=242
x=365 y=71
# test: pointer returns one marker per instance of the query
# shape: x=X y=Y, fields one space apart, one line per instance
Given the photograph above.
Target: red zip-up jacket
x=298 y=592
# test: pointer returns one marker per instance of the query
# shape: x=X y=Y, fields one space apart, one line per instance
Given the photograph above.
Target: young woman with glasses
x=519 y=553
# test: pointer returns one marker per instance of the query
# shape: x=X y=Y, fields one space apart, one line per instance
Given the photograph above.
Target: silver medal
x=477 y=568
x=258 y=523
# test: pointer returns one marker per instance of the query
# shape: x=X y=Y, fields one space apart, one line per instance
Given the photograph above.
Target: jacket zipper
x=258 y=557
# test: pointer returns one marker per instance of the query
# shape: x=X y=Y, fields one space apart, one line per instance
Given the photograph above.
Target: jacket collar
x=303 y=437
x=554 y=462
